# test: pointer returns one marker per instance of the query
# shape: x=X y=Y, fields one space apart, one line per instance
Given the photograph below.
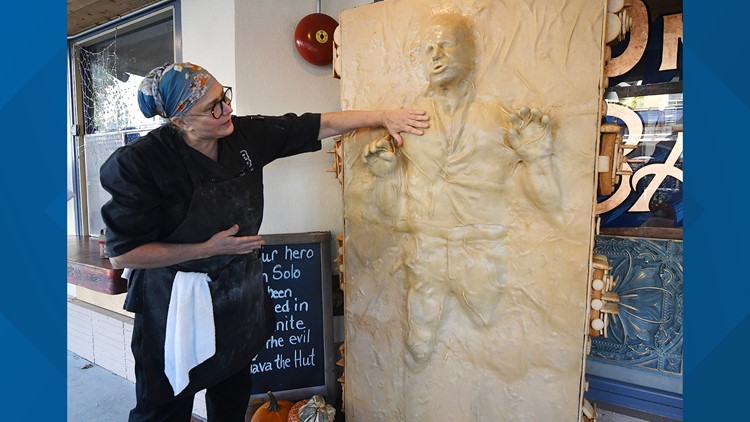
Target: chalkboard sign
x=297 y=360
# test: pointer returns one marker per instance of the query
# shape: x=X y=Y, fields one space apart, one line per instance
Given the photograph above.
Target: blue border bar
x=635 y=397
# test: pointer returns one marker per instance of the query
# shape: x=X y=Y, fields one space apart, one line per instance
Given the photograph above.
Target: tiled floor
x=98 y=395
x=607 y=416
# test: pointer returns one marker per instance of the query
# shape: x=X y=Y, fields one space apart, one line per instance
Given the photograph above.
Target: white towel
x=191 y=334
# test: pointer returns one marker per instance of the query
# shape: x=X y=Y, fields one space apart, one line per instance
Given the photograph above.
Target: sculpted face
x=447 y=52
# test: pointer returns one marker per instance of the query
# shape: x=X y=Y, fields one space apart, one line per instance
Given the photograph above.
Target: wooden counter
x=87 y=269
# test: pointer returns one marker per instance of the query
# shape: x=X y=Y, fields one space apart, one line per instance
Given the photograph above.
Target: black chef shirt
x=150 y=185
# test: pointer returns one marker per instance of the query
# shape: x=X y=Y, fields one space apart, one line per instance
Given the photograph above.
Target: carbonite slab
x=467 y=251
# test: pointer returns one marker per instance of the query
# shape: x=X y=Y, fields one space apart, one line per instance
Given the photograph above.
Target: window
x=645 y=97
x=649 y=196
x=106 y=70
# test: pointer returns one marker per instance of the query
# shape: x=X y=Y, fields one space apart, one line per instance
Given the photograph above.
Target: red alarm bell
x=314 y=38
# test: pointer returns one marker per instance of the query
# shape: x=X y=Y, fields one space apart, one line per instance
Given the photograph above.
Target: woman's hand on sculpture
x=401 y=120
x=530 y=134
x=380 y=155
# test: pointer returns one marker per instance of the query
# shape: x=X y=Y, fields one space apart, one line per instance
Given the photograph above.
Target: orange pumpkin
x=273 y=410
x=294 y=412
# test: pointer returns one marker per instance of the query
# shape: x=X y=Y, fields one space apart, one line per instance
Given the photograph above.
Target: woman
x=187 y=203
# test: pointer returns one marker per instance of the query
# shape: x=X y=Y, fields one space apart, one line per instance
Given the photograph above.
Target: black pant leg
x=179 y=409
x=228 y=400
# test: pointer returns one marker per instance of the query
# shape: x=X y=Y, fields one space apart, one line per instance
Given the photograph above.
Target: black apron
x=243 y=314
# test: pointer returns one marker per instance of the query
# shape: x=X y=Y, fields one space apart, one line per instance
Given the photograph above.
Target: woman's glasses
x=217 y=110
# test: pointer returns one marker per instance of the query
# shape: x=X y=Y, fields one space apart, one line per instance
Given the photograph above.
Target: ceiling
x=86 y=14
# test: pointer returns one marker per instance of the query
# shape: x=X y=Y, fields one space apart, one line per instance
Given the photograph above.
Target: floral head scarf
x=171 y=89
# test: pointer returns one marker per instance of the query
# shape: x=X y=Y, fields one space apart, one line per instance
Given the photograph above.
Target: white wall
x=272 y=78
x=208 y=37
